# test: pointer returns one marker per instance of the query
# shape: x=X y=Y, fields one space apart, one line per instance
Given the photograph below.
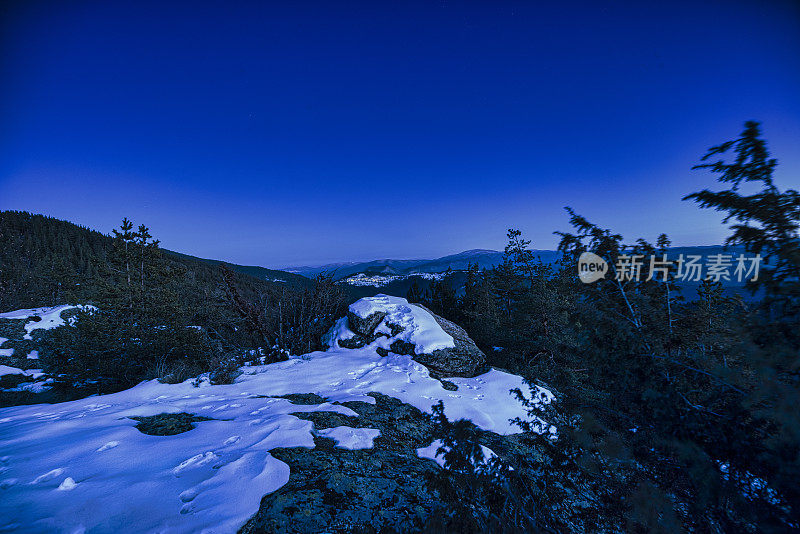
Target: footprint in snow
x=189 y=495
x=195 y=461
x=107 y=446
x=231 y=440
x=7 y=483
x=50 y=475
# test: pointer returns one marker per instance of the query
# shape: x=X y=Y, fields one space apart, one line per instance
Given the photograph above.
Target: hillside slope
x=95 y=464
x=47 y=261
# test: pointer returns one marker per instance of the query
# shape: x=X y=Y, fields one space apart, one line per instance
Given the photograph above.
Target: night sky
x=299 y=133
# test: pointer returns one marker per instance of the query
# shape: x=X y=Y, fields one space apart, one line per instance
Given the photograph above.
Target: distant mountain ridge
x=482 y=257
x=460 y=261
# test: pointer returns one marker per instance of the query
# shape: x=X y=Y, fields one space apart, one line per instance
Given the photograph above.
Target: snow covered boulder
x=391 y=324
x=463 y=359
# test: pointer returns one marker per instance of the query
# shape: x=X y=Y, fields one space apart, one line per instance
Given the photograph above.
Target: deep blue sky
x=293 y=133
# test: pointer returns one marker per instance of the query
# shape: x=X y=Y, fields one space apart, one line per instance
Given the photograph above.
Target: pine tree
x=766 y=221
x=414 y=293
x=123 y=243
x=141 y=238
x=441 y=297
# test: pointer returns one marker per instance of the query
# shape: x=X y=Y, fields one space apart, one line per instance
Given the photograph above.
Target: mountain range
x=458 y=262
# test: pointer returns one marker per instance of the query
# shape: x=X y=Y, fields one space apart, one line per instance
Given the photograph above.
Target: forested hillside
x=46 y=261
x=154 y=313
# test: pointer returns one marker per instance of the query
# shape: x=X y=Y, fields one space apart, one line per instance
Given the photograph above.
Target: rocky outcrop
x=465 y=359
x=364 y=326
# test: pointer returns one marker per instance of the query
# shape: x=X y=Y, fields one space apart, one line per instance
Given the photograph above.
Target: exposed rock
x=330 y=489
x=364 y=326
x=168 y=424
x=357 y=341
x=465 y=359
x=402 y=347
x=395 y=329
x=303 y=398
x=449 y=386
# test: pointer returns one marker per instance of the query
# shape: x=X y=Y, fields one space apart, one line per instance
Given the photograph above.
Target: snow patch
x=8 y=370
x=34 y=387
x=46 y=318
x=431 y=452
x=67 y=485
x=339 y=331
x=351 y=438
x=5 y=352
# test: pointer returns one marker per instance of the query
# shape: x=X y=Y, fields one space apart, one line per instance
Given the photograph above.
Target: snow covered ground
x=81 y=466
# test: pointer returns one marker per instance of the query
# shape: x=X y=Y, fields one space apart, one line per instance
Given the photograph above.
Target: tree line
x=157 y=314
x=684 y=405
